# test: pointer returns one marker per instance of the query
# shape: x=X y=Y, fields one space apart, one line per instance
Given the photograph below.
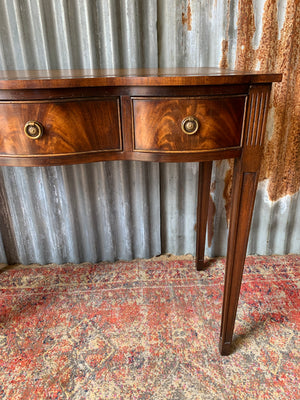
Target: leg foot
x=225 y=348
x=199 y=265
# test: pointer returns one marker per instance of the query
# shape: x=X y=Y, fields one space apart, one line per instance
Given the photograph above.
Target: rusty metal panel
x=113 y=210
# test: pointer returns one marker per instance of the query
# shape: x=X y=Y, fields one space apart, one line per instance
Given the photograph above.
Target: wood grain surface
x=157 y=123
x=69 y=127
x=131 y=77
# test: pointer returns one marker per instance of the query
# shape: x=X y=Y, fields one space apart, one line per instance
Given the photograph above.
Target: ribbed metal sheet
x=123 y=210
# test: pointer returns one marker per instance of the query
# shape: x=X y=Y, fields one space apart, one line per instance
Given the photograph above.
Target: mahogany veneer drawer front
x=161 y=124
x=69 y=126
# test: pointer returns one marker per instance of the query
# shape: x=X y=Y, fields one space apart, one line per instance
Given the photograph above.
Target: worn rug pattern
x=148 y=329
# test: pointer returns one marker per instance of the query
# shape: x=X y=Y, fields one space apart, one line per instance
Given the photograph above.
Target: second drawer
x=187 y=124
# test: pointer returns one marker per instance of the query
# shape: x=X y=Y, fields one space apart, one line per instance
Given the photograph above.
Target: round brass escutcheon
x=190 y=125
x=33 y=129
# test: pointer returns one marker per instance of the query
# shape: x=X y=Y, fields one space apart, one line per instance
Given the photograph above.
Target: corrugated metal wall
x=123 y=210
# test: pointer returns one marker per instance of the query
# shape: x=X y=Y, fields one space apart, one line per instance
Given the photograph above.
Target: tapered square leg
x=242 y=206
x=245 y=179
x=202 y=210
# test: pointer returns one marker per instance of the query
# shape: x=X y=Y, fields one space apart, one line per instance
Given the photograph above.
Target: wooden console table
x=165 y=115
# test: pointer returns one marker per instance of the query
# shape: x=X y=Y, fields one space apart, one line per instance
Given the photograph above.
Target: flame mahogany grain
x=157 y=123
x=69 y=127
x=136 y=114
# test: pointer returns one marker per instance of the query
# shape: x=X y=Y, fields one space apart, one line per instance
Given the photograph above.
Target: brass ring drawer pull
x=189 y=125
x=33 y=129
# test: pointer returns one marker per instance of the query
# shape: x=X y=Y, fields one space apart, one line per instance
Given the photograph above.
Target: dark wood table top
x=39 y=79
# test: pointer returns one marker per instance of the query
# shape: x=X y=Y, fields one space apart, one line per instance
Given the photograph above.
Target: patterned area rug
x=148 y=329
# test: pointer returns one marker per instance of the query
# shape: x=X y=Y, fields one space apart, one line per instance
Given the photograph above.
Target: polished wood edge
x=131 y=77
x=183 y=157
x=89 y=157
x=110 y=91
x=191 y=97
x=215 y=151
x=46 y=160
x=40 y=156
x=63 y=100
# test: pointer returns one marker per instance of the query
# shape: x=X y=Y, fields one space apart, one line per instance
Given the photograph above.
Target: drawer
x=69 y=126
x=168 y=124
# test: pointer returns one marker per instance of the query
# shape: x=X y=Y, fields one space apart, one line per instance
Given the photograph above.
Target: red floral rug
x=148 y=329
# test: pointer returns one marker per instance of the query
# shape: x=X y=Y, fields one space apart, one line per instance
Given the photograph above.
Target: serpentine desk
x=165 y=115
